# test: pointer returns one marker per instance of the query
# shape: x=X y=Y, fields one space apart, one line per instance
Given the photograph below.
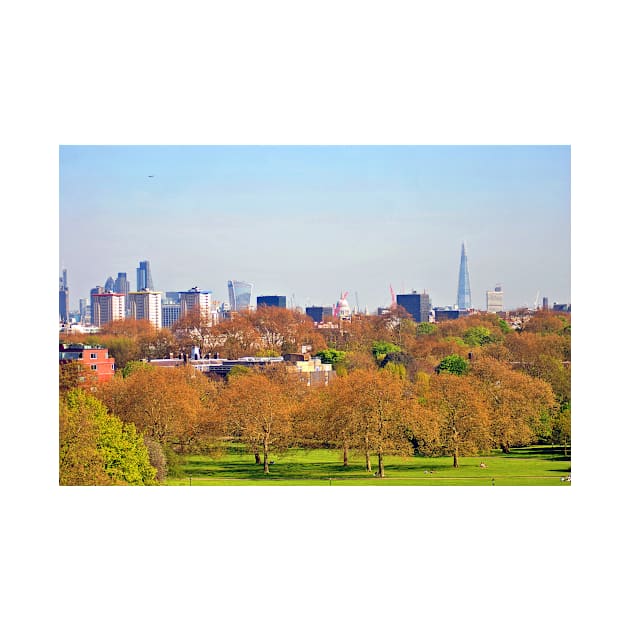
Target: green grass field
x=531 y=466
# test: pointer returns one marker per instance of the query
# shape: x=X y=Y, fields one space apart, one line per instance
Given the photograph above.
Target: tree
x=332 y=356
x=516 y=402
x=453 y=364
x=478 y=336
x=380 y=349
x=375 y=412
x=259 y=410
x=462 y=413
x=96 y=448
x=171 y=405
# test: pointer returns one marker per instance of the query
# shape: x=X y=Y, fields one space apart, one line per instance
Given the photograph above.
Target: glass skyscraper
x=143 y=276
x=240 y=295
x=464 y=301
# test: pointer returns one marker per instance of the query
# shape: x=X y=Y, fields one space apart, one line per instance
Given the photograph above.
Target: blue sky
x=315 y=221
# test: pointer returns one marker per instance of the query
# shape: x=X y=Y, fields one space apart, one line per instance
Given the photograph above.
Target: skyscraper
x=279 y=301
x=464 y=301
x=64 y=299
x=143 y=276
x=240 y=294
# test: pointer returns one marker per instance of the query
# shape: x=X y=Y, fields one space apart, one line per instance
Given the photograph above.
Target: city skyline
x=315 y=221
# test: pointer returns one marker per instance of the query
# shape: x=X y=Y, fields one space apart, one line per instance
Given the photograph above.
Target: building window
x=93 y=355
x=92 y=367
x=112 y=366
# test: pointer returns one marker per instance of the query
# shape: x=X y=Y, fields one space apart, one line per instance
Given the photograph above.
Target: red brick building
x=95 y=359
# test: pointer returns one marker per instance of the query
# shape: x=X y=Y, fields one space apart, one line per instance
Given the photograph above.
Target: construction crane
x=536 y=300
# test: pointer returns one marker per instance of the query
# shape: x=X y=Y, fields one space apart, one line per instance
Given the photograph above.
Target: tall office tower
x=109 y=284
x=98 y=289
x=279 y=301
x=107 y=307
x=463 y=289
x=494 y=300
x=143 y=276
x=545 y=304
x=64 y=297
x=418 y=305
x=240 y=294
x=146 y=305
x=122 y=285
x=194 y=300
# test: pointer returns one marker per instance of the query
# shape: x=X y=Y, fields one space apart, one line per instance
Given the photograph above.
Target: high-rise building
x=64 y=297
x=107 y=307
x=464 y=300
x=418 y=305
x=240 y=294
x=109 y=284
x=83 y=310
x=196 y=300
x=146 y=305
x=143 y=276
x=279 y=301
x=170 y=314
x=122 y=285
x=494 y=300
x=545 y=304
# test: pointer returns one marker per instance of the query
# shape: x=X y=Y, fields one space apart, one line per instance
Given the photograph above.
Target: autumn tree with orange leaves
x=259 y=411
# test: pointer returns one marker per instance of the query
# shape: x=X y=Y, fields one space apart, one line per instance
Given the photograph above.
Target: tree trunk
x=368 y=463
x=456 y=457
x=266 y=455
x=345 y=454
x=381 y=466
x=505 y=447
x=256 y=455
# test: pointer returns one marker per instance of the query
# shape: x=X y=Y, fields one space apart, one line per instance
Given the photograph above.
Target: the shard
x=463 y=289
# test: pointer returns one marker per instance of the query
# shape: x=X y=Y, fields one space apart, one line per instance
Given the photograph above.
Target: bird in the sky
x=149 y=175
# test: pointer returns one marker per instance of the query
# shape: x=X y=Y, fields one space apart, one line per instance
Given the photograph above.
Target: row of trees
x=460 y=388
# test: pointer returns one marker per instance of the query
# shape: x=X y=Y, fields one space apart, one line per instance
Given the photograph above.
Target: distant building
x=109 y=285
x=196 y=300
x=279 y=301
x=171 y=297
x=64 y=297
x=96 y=359
x=545 y=304
x=494 y=300
x=170 y=314
x=418 y=305
x=143 y=276
x=146 y=305
x=107 y=307
x=562 y=307
x=317 y=313
x=84 y=307
x=239 y=294
x=446 y=314
x=464 y=300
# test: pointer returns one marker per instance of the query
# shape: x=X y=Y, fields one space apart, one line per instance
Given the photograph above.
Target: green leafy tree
x=453 y=364
x=426 y=328
x=478 y=336
x=332 y=356
x=380 y=349
x=96 y=448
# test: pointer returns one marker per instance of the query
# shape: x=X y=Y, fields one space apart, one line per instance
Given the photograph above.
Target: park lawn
x=530 y=466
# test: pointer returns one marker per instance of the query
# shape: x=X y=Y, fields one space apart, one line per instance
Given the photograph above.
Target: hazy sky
x=316 y=221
